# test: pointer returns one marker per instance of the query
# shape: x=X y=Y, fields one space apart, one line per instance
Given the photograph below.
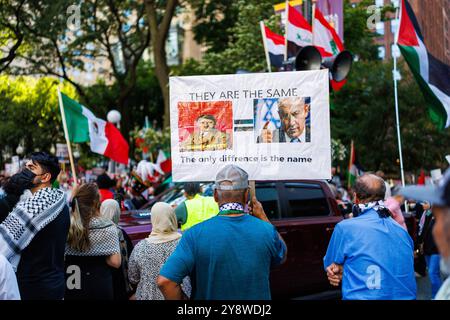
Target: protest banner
x=62 y=153
x=276 y=126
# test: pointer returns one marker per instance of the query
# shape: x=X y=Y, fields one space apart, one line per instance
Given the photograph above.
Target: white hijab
x=164 y=224
x=110 y=209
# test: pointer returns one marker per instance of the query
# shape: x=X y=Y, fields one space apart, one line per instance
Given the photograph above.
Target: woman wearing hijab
x=150 y=254
x=110 y=209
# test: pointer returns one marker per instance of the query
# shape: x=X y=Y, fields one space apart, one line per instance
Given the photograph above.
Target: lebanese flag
x=298 y=31
x=164 y=162
x=432 y=75
x=327 y=41
x=84 y=126
x=276 y=46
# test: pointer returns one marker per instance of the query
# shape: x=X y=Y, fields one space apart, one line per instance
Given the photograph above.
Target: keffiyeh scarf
x=27 y=219
x=378 y=206
x=231 y=206
x=104 y=239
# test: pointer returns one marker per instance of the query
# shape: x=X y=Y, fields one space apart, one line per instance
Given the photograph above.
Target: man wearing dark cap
x=196 y=208
x=371 y=253
x=439 y=197
x=228 y=256
x=33 y=236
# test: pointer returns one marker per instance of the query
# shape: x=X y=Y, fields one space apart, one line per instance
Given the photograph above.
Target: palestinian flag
x=354 y=170
x=327 y=41
x=298 y=31
x=84 y=126
x=432 y=75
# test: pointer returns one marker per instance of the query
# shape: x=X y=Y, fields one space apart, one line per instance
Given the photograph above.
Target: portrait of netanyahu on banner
x=283 y=120
x=205 y=126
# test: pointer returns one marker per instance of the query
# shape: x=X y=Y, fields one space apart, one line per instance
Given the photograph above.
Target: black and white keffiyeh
x=27 y=219
x=378 y=206
x=231 y=206
x=104 y=239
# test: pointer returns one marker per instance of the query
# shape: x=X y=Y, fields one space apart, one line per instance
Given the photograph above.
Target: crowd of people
x=62 y=243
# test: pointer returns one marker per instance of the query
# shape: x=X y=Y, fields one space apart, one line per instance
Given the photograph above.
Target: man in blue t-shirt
x=371 y=253
x=228 y=256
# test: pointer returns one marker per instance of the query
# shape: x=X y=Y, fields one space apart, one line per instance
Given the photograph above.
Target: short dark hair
x=104 y=181
x=48 y=163
x=207 y=116
x=15 y=185
x=370 y=187
x=192 y=188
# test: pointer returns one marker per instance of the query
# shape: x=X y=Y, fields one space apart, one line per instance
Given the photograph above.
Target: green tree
x=30 y=114
x=364 y=109
x=110 y=32
x=216 y=20
x=11 y=35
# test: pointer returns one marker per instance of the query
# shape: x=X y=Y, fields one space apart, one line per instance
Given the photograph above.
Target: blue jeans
x=434 y=272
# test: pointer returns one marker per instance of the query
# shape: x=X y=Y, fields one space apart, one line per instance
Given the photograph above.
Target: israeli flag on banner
x=266 y=110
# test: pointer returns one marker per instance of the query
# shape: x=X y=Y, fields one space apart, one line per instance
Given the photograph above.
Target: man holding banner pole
x=228 y=256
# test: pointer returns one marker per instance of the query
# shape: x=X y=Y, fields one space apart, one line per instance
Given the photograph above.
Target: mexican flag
x=84 y=126
x=327 y=41
x=432 y=75
x=164 y=162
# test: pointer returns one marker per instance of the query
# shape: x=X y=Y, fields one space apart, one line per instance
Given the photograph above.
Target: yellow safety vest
x=199 y=209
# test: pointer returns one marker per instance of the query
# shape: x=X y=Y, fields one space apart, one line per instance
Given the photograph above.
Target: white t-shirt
x=9 y=289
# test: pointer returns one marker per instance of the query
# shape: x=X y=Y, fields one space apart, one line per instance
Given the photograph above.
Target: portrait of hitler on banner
x=282 y=120
x=205 y=126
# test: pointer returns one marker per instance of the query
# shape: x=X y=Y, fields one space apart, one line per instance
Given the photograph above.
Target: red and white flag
x=327 y=41
x=298 y=31
x=275 y=45
x=164 y=162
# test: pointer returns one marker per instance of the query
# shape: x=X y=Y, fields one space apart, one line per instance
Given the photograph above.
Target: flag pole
x=350 y=164
x=313 y=16
x=263 y=32
x=397 y=116
x=286 y=10
x=66 y=134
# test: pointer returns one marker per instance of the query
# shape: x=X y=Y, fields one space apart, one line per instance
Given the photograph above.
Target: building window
x=379 y=3
x=381 y=52
x=395 y=3
x=380 y=27
x=394 y=26
x=395 y=51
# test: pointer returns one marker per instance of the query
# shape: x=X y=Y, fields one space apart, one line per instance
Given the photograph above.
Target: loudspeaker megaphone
x=308 y=58
x=339 y=65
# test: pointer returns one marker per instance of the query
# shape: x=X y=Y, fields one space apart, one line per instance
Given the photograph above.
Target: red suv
x=304 y=212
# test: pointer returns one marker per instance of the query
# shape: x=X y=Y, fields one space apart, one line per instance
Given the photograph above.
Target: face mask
x=445 y=266
x=26 y=178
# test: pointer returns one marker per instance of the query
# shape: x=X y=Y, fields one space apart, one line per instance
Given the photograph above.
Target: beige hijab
x=164 y=224
x=110 y=209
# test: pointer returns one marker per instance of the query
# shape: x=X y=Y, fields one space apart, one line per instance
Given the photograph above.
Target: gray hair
x=231 y=195
x=370 y=187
